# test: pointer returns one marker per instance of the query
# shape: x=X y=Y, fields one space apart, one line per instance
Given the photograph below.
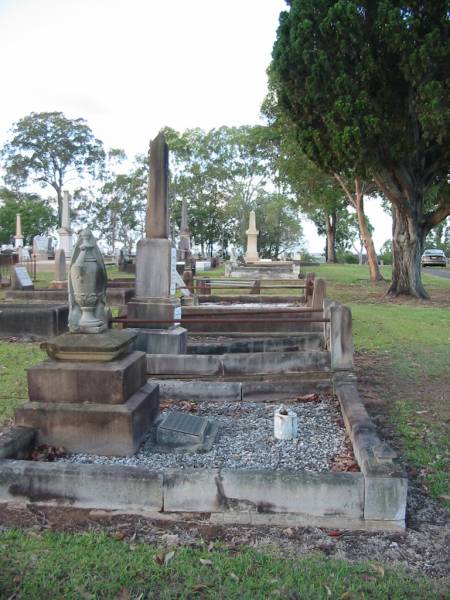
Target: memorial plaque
x=180 y=429
x=20 y=279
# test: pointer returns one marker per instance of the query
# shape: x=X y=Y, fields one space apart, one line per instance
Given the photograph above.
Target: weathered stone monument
x=18 y=238
x=65 y=232
x=41 y=247
x=184 y=246
x=92 y=396
x=252 y=255
x=155 y=307
x=60 y=281
x=256 y=267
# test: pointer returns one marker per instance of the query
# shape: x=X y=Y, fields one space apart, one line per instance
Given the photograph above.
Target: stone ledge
x=386 y=485
x=236 y=364
x=87 y=486
x=264 y=491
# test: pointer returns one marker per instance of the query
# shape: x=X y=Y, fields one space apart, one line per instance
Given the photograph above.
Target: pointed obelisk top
x=157 y=217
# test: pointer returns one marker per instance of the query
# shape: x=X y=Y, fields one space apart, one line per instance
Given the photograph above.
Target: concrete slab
x=84 y=486
x=33 y=320
x=215 y=490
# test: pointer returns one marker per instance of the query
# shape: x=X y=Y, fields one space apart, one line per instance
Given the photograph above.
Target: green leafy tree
x=116 y=208
x=294 y=166
x=37 y=216
x=47 y=148
x=222 y=173
x=366 y=86
x=316 y=193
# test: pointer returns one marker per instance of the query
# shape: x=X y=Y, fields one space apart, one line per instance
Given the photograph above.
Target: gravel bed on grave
x=245 y=440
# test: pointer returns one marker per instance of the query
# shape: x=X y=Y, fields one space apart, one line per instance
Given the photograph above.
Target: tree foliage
x=116 y=208
x=366 y=86
x=225 y=173
x=37 y=216
x=46 y=148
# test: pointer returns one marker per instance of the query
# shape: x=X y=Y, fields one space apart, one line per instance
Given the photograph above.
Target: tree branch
x=438 y=215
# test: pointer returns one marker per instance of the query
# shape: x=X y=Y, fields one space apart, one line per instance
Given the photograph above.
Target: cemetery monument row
x=92 y=395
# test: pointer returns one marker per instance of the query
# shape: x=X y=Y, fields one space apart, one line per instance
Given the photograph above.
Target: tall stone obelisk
x=252 y=255
x=18 y=238
x=65 y=232
x=156 y=266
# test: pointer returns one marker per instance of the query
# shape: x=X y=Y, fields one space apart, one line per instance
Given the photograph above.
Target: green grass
x=427 y=447
x=74 y=566
x=417 y=338
x=15 y=358
x=357 y=274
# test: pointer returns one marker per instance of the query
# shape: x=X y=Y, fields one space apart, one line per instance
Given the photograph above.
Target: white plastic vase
x=285 y=426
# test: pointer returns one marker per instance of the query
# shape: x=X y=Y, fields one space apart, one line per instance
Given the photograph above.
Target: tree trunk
x=356 y=199
x=408 y=237
x=372 y=259
x=330 y=223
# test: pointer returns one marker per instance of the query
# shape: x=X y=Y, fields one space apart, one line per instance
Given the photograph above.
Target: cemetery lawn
x=36 y=565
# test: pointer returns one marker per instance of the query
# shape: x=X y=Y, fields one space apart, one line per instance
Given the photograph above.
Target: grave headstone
x=40 y=246
x=252 y=240
x=60 y=281
x=20 y=278
x=184 y=246
x=65 y=232
x=18 y=238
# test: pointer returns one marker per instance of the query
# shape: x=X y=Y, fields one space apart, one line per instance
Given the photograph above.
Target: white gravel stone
x=245 y=440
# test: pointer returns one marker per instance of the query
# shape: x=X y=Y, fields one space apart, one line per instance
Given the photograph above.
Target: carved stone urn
x=87 y=287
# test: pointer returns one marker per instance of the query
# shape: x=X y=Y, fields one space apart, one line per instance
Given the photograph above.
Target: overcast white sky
x=132 y=67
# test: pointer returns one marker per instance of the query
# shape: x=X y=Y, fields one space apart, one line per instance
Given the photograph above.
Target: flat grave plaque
x=21 y=279
x=181 y=429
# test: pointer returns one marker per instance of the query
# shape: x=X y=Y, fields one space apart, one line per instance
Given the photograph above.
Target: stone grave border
x=372 y=499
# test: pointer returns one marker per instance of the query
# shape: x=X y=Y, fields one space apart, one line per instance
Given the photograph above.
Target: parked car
x=434 y=257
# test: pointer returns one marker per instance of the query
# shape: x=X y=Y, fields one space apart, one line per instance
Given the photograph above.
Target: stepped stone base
x=161 y=341
x=106 y=430
x=80 y=382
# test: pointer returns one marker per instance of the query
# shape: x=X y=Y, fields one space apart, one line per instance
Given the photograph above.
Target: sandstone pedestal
x=94 y=398
x=160 y=337
x=155 y=300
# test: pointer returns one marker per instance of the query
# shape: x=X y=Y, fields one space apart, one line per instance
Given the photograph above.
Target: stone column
x=156 y=266
x=18 y=238
x=65 y=232
x=252 y=240
x=184 y=247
